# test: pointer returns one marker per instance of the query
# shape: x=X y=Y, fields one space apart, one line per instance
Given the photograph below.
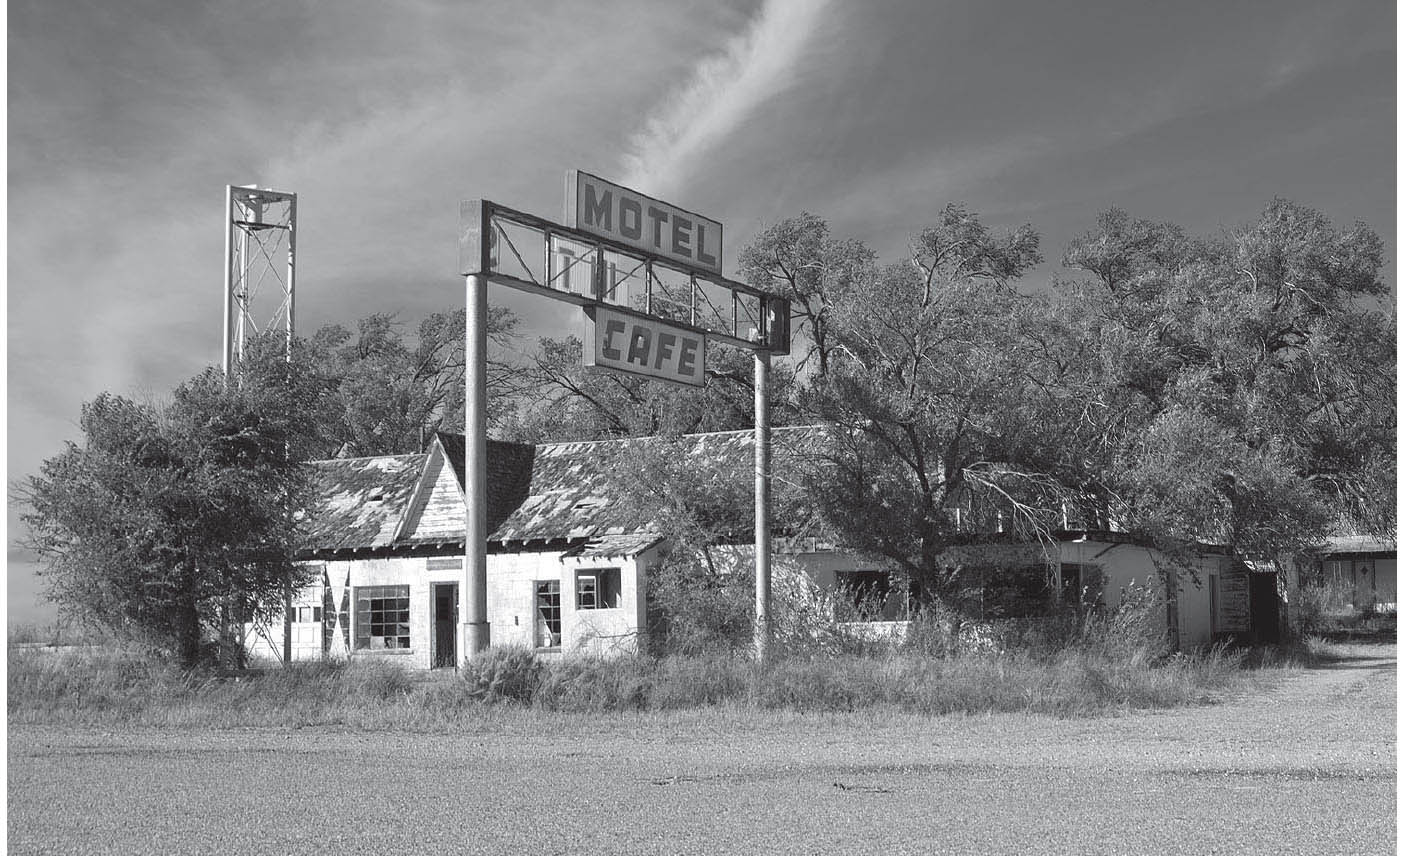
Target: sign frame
x=480 y=223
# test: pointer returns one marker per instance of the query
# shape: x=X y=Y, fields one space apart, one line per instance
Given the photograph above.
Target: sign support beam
x=473 y=628
x=762 y=534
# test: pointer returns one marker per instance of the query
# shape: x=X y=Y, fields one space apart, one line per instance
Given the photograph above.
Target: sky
x=126 y=122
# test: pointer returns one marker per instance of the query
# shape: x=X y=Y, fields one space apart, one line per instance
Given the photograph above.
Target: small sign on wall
x=643 y=346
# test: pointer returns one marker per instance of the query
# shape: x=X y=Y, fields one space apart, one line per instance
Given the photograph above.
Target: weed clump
x=511 y=674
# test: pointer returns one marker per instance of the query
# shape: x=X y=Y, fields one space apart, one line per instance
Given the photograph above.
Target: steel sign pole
x=472 y=610
x=762 y=441
x=228 y=281
x=288 y=355
x=292 y=272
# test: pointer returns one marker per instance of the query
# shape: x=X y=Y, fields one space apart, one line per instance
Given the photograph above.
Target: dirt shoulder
x=1306 y=767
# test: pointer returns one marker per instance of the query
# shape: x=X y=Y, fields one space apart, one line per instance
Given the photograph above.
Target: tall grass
x=1076 y=665
x=1327 y=608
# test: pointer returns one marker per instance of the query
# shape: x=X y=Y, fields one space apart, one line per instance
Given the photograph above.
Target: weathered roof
x=1353 y=544
x=567 y=489
x=610 y=546
x=360 y=501
x=549 y=492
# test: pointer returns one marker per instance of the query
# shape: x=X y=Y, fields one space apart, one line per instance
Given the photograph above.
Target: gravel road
x=1307 y=767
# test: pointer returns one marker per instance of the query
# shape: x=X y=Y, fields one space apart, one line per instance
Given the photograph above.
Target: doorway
x=444 y=652
x=1263 y=607
x=1364 y=584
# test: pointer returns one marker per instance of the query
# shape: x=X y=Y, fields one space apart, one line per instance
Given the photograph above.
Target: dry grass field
x=1305 y=767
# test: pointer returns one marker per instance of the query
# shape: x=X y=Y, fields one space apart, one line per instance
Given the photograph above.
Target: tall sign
x=617 y=213
x=647 y=276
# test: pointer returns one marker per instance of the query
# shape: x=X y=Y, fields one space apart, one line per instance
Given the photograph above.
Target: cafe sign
x=643 y=346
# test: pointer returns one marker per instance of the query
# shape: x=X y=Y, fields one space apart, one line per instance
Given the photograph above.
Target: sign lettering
x=643 y=346
x=615 y=212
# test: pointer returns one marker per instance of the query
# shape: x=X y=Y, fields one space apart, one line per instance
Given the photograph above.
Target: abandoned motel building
x=567 y=571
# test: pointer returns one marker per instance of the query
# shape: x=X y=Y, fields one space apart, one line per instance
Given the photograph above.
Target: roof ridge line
x=773 y=429
x=367 y=458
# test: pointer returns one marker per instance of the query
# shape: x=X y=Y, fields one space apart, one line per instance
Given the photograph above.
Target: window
x=597 y=588
x=548 y=614
x=307 y=614
x=867 y=590
x=382 y=617
x=1082 y=585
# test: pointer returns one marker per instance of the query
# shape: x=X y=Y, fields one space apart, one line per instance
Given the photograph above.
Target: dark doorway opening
x=1262 y=607
x=445 y=646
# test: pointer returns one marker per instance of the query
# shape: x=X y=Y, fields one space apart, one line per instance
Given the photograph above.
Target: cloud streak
x=724 y=88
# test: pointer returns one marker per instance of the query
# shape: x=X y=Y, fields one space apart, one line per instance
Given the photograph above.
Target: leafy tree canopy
x=168 y=515
x=384 y=395
x=565 y=400
x=1241 y=387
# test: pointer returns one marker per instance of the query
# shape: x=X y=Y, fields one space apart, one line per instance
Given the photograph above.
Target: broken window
x=548 y=614
x=1010 y=591
x=866 y=590
x=382 y=617
x=1082 y=585
x=597 y=588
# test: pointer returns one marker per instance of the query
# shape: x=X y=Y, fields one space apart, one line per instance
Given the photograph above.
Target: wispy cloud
x=723 y=89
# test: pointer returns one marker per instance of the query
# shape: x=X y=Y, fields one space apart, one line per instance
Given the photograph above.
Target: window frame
x=366 y=612
x=606 y=587
x=548 y=612
x=865 y=587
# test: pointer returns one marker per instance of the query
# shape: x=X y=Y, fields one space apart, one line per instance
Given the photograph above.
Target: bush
x=1327 y=608
x=694 y=612
x=705 y=681
x=593 y=685
x=503 y=674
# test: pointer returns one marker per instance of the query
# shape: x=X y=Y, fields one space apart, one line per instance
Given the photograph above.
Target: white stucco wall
x=1126 y=567
x=512 y=580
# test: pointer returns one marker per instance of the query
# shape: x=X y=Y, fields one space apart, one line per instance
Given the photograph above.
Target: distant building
x=1361 y=563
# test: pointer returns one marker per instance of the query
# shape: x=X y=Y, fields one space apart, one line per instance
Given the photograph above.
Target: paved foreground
x=1308 y=767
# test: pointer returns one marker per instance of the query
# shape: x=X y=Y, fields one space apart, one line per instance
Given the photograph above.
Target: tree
x=797 y=259
x=573 y=402
x=696 y=494
x=166 y=515
x=1241 y=388
x=388 y=395
x=925 y=381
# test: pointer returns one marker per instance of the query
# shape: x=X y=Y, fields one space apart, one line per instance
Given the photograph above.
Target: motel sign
x=611 y=211
x=647 y=276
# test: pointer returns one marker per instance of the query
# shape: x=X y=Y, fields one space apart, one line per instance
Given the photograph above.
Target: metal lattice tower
x=259 y=267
